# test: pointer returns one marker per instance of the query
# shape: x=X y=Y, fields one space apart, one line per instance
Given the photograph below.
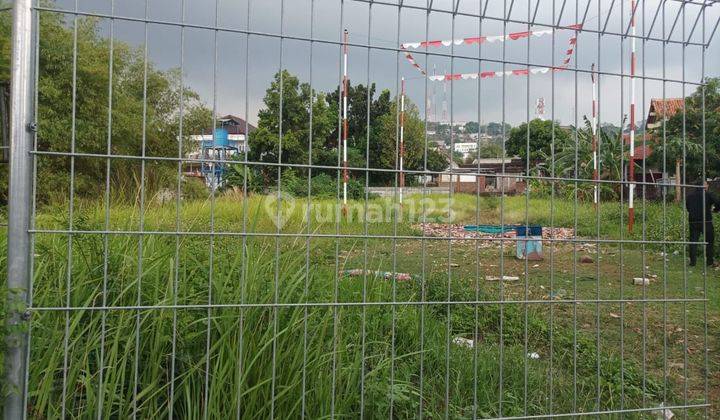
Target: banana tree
x=578 y=148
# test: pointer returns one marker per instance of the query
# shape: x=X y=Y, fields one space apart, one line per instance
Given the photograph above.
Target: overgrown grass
x=277 y=343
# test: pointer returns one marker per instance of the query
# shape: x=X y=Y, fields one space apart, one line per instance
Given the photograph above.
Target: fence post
x=19 y=207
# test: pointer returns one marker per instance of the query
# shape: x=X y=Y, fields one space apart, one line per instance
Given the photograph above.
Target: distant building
x=235 y=127
x=212 y=148
x=487 y=176
x=465 y=148
x=662 y=110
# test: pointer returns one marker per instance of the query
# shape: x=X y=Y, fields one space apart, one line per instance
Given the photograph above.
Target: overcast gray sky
x=385 y=25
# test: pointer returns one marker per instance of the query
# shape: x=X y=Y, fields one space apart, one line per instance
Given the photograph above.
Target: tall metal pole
x=594 y=136
x=402 y=138
x=631 y=169
x=344 y=119
x=18 y=275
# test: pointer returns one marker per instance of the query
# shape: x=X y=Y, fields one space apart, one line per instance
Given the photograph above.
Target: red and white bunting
x=483 y=39
x=516 y=72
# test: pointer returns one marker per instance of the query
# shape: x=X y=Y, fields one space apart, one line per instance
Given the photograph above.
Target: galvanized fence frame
x=23 y=153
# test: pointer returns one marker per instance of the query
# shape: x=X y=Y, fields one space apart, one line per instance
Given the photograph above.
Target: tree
x=358 y=112
x=496 y=129
x=385 y=140
x=577 y=147
x=683 y=153
x=266 y=143
x=688 y=128
x=542 y=133
x=145 y=113
x=472 y=127
x=487 y=151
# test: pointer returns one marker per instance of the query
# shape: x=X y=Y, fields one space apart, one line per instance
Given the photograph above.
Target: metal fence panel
x=321 y=209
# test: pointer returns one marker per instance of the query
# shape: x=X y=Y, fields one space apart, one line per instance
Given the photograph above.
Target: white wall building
x=465 y=148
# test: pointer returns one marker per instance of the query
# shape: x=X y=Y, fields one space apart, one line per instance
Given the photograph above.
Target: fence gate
x=358 y=208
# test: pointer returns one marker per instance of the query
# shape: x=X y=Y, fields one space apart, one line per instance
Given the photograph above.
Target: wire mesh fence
x=361 y=208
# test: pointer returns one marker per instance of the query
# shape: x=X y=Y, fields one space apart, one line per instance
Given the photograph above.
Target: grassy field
x=291 y=336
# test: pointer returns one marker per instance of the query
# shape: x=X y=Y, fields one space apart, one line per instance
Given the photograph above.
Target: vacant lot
x=215 y=308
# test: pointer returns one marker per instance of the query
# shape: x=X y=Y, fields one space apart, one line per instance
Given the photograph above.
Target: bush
x=194 y=189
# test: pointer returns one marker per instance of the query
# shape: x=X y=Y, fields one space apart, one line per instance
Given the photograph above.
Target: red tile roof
x=664 y=108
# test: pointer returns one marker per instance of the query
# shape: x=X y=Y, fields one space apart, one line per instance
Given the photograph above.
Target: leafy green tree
x=688 y=152
x=578 y=148
x=472 y=127
x=386 y=144
x=358 y=114
x=138 y=90
x=266 y=143
x=487 y=151
x=496 y=129
x=681 y=152
x=541 y=138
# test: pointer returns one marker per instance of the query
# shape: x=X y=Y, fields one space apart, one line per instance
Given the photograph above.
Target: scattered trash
x=454 y=265
x=676 y=252
x=536 y=265
x=558 y=295
x=641 y=281
x=465 y=342
x=664 y=413
x=586 y=259
x=387 y=275
x=504 y=278
x=493 y=229
x=533 y=356
x=614 y=315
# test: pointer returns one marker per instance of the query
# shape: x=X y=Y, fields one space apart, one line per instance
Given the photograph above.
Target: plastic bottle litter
x=641 y=281
x=465 y=342
x=504 y=278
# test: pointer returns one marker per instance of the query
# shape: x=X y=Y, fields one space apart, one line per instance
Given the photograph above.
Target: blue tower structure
x=215 y=153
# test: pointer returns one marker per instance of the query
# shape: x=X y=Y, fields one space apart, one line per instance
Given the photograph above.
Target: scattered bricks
x=459 y=235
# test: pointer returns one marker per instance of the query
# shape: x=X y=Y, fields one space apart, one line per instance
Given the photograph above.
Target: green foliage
x=294 y=346
x=379 y=153
x=498 y=129
x=194 y=189
x=136 y=129
x=298 y=100
x=573 y=158
x=682 y=138
x=240 y=176
x=486 y=151
x=541 y=136
x=472 y=127
x=321 y=186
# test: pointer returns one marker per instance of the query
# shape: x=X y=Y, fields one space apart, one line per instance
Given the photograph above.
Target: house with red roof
x=660 y=110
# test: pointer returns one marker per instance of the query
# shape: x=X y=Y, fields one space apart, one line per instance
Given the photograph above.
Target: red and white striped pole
x=631 y=169
x=344 y=117
x=402 y=137
x=596 y=197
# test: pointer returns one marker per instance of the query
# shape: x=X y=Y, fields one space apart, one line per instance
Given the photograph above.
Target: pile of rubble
x=460 y=235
